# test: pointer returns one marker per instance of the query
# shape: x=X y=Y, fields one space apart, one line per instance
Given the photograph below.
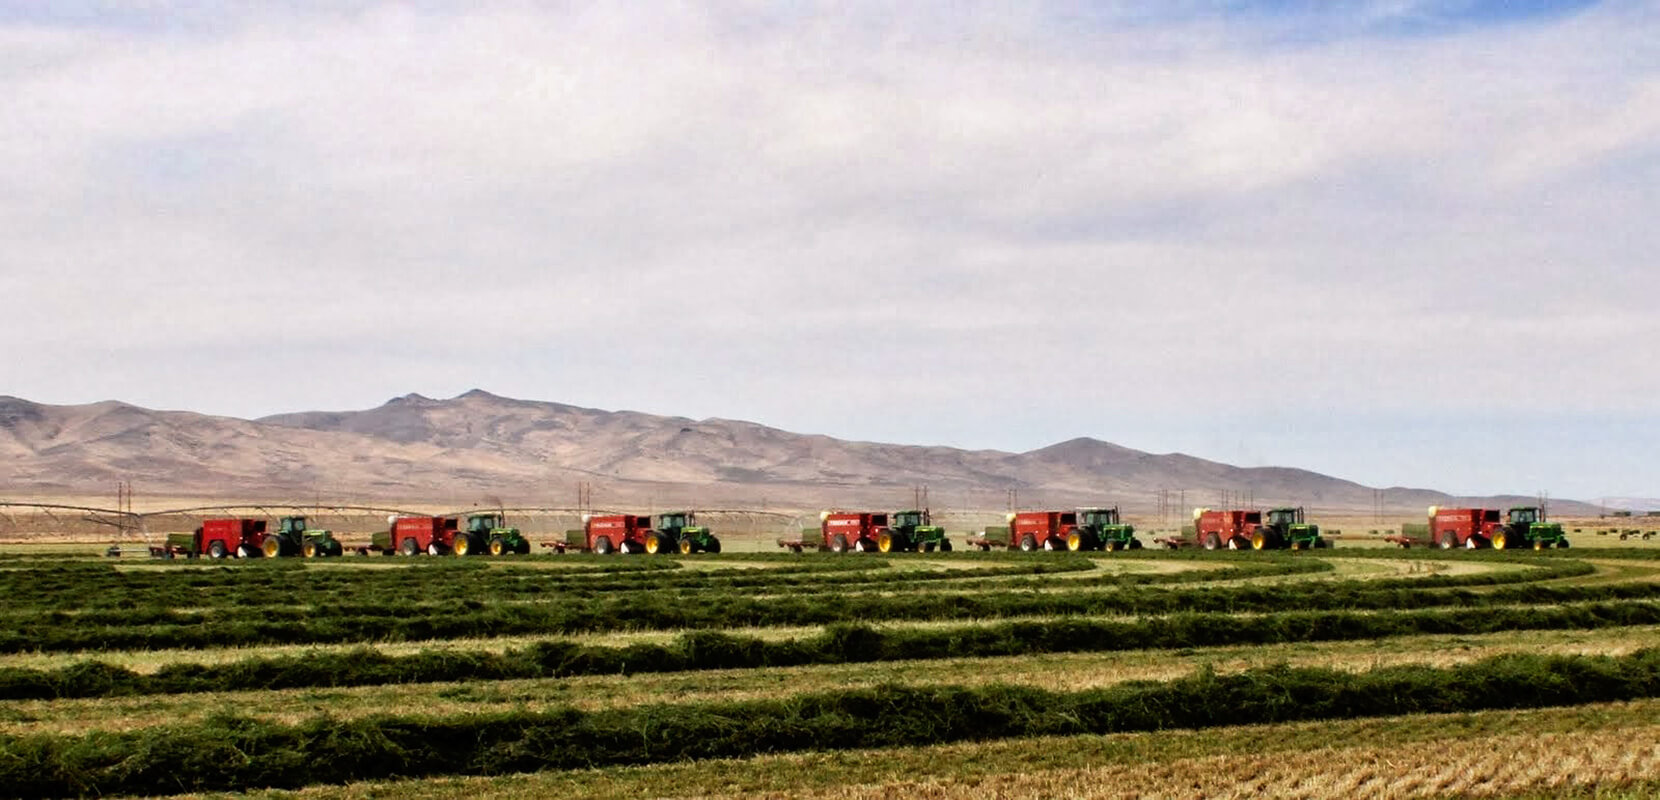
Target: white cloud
x=1018 y=222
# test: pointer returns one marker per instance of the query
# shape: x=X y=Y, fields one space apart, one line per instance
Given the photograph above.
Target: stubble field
x=1352 y=672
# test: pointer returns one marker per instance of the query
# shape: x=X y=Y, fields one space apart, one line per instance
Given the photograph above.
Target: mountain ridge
x=479 y=443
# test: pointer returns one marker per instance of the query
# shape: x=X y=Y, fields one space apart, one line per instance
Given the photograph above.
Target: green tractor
x=678 y=530
x=912 y=531
x=489 y=533
x=1286 y=528
x=1101 y=529
x=1526 y=527
x=293 y=538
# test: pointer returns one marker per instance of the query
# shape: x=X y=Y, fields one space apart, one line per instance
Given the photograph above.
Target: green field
x=1339 y=673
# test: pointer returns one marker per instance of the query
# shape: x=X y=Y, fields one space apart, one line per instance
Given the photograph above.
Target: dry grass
x=1487 y=767
x=1606 y=745
x=1069 y=671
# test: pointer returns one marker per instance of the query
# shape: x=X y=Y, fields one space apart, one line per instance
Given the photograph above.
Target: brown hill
x=481 y=446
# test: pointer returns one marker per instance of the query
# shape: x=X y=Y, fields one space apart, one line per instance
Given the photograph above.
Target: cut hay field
x=1350 y=672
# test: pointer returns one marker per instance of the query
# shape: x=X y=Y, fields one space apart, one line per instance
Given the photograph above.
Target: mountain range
x=481 y=447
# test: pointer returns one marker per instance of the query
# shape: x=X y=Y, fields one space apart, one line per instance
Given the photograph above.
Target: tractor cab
x=484 y=524
x=1284 y=518
x=675 y=522
x=291 y=528
x=1098 y=517
x=910 y=520
x=1526 y=516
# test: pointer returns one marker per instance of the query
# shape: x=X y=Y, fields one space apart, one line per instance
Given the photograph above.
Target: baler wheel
x=244 y=551
x=1472 y=543
x=838 y=543
x=628 y=548
x=1028 y=543
x=1448 y=541
x=408 y=547
x=309 y=550
x=686 y=547
x=216 y=550
x=1213 y=541
x=602 y=545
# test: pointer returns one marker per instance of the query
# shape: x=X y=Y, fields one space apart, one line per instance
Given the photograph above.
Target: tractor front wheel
x=1112 y=546
x=498 y=545
x=309 y=550
x=1539 y=544
x=687 y=548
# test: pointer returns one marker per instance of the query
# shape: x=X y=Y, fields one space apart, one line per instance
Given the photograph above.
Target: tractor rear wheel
x=602 y=545
x=1501 y=540
x=1075 y=541
x=498 y=545
x=216 y=550
x=309 y=550
x=464 y=546
x=885 y=542
x=408 y=547
x=654 y=544
x=1135 y=544
x=687 y=547
x=1259 y=540
x=838 y=543
x=1212 y=541
x=272 y=546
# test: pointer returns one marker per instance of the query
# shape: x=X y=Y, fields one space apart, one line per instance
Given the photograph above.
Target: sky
x=1405 y=243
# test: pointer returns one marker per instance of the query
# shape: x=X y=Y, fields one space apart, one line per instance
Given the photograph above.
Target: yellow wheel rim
x=1074 y=541
x=686 y=546
x=461 y=547
x=310 y=550
x=271 y=546
x=1258 y=541
x=652 y=545
x=495 y=547
x=1499 y=541
x=884 y=542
